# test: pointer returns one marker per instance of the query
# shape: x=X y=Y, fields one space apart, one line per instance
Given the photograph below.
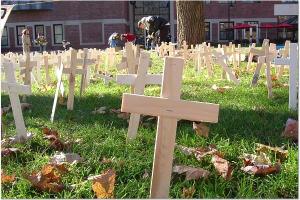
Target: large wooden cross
x=27 y=68
x=169 y=108
x=14 y=89
x=293 y=63
x=138 y=81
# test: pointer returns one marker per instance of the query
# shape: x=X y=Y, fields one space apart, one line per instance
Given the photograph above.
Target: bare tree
x=190 y=26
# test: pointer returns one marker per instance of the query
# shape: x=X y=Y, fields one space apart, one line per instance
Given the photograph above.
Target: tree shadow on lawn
x=257 y=124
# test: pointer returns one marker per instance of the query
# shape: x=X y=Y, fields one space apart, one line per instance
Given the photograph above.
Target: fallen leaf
x=262 y=170
x=222 y=166
x=5 y=179
x=25 y=106
x=188 y=193
x=251 y=159
x=48 y=131
x=186 y=150
x=103 y=185
x=53 y=137
x=145 y=175
x=281 y=153
x=201 y=129
x=100 y=110
x=220 y=89
x=9 y=151
x=71 y=158
x=116 y=111
x=204 y=151
x=48 y=179
x=291 y=129
x=274 y=78
x=107 y=160
x=191 y=173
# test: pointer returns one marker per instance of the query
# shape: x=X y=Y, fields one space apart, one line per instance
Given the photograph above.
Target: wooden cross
x=185 y=50
x=46 y=64
x=28 y=67
x=265 y=56
x=14 y=89
x=169 y=108
x=293 y=63
x=138 y=81
x=252 y=51
x=131 y=61
x=72 y=70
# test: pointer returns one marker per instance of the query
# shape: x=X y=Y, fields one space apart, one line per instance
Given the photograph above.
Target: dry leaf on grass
x=121 y=115
x=186 y=150
x=222 y=166
x=9 y=151
x=188 y=193
x=280 y=153
x=201 y=129
x=104 y=184
x=53 y=137
x=61 y=157
x=201 y=152
x=191 y=173
x=101 y=110
x=291 y=129
x=62 y=100
x=220 y=89
x=251 y=159
x=5 y=179
x=49 y=178
x=262 y=170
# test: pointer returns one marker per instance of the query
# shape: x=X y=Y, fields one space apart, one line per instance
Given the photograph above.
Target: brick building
x=90 y=23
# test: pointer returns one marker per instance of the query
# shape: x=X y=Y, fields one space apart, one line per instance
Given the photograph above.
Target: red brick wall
x=91 y=32
x=72 y=35
x=74 y=10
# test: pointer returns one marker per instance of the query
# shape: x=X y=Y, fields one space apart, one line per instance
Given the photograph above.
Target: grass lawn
x=246 y=117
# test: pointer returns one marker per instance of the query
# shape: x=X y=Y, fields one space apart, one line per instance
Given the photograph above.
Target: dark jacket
x=156 y=23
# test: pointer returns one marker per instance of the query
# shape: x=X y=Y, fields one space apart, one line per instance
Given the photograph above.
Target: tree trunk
x=190 y=26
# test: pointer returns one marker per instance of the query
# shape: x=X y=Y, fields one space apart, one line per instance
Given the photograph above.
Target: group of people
x=157 y=29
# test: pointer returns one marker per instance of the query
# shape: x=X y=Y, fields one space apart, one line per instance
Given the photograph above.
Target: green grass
x=246 y=117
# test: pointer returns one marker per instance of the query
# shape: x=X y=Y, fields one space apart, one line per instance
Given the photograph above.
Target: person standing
x=42 y=42
x=26 y=43
x=155 y=25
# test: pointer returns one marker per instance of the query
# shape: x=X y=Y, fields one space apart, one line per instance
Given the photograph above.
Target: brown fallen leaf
x=262 y=170
x=25 y=106
x=222 y=166
x=251 y=159
x=291 y=129
x=188 y=193
x=48 y=179
x=186 y=150
x=53 y=137
x=274 y=78
x=123 y=115
x=201 y=129
x=220 y=89
x=201 y=152
x=5 y=179
x=61 y=157
x=103 y=185
x=280 y=153
x=191 y=173
x=116 y=111
x=101 y=110
x=9 y=151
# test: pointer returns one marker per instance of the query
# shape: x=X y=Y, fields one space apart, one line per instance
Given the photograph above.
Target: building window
x=19 y=34
x=207 y=30
x=226 y=30
x=58 y=33
x=4 y=39
x=39 y=30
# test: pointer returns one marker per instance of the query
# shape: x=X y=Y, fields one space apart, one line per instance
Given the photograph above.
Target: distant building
x=90 y=23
